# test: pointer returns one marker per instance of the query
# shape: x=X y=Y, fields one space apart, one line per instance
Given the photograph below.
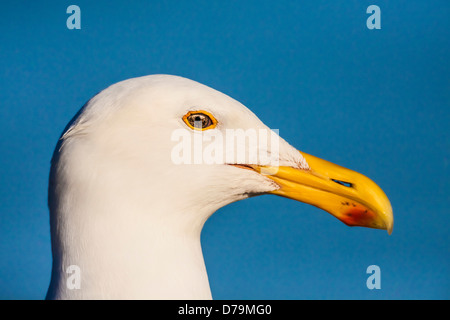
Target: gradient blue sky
x=376 y=101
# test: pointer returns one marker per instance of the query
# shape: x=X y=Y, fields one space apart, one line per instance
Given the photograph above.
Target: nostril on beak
x=343 y=183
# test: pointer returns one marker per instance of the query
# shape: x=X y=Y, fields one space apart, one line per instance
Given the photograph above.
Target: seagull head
x=183 y=150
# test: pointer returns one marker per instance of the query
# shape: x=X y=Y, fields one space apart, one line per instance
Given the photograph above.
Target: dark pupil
x=199 y=121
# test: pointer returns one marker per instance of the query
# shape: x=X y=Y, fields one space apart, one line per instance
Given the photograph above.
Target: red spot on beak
x=358 y=215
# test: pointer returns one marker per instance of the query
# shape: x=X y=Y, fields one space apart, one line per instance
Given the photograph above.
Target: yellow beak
x=348 y=195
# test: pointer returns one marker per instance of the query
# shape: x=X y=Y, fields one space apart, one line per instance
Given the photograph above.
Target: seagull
x=129 y=190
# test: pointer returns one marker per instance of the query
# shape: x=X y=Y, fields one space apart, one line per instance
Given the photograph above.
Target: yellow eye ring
x=200 y=120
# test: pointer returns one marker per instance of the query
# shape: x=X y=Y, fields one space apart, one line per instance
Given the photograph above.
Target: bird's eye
x=200 y=120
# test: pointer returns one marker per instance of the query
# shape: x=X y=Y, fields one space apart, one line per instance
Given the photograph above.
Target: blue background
x=376 y=101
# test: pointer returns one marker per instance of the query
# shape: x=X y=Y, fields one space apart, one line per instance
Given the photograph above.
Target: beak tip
x=390 y=227
x=389 y=224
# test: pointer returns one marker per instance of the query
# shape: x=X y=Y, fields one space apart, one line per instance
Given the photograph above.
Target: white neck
x=137 y=258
